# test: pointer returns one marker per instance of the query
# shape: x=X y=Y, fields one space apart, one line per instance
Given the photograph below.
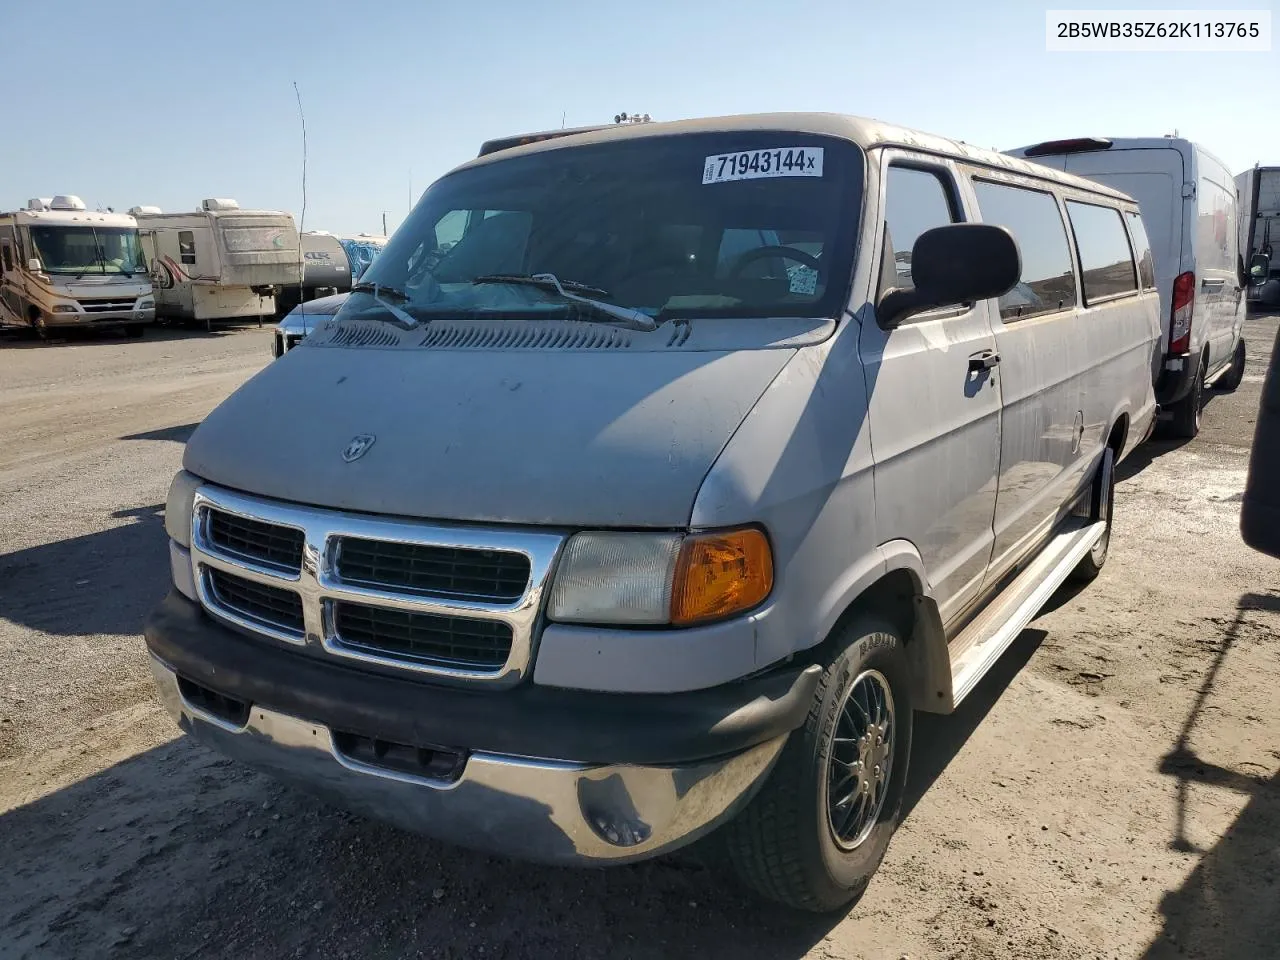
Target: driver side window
x=915 y=201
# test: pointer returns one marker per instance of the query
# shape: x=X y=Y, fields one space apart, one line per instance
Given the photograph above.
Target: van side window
x=1048 y=278
x=1105 y=257
x=187 y=246
x=1142 y=250
x=915 y=201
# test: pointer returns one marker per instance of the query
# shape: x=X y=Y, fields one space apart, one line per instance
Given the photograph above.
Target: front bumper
x=541 y=774
x=102 y=318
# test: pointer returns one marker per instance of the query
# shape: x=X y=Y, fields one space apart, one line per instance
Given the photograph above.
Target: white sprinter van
x=1190 y=209
x=613 y=530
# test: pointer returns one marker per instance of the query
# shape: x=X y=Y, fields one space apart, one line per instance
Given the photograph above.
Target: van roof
x=866 y=133
x=1090 y=144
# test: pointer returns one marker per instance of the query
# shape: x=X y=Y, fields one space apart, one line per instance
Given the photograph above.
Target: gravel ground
x=1111 y=790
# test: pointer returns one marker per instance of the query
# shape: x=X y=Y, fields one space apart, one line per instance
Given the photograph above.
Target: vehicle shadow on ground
x=937 y=739
x=179 y=853
x=17 y=338
x=99 y=583
x=177 y=434
x=1145 y=455
x=1229 y=906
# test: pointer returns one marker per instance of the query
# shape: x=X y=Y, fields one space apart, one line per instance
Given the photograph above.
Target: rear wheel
x=819 y=827
x=1104 y=491
x=1186 y=412
x=1235 y=373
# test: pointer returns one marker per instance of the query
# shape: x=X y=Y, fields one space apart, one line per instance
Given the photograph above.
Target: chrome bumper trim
x=542 y=810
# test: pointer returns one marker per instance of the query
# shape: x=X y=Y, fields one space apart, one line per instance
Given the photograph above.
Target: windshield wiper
x=623 y=316
x=388 y=297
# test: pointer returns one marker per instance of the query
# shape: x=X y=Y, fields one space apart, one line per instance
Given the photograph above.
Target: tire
x=1104 y=492
x=42 y=327
x=1235 y=373
x=134 y=330
x=1185 y=424
x=783 y=844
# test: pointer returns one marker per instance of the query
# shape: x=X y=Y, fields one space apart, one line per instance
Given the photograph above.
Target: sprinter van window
x=915 y=201
x=1142 y=251
x=1105 y=257
x=1032 y=216
x=637 y=225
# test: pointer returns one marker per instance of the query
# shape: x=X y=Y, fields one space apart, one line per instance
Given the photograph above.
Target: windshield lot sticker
x=802 y=280
x=757 y=164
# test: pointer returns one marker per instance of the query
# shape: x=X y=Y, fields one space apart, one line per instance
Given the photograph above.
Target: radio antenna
x=302 y=219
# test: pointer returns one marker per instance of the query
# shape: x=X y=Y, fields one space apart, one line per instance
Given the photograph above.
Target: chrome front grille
x=455 y=602
x=101 y=306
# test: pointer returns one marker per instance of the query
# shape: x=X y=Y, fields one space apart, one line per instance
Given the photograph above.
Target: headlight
x=635 y=578
x=146 y=303
x=179 y=505
x=65 y=308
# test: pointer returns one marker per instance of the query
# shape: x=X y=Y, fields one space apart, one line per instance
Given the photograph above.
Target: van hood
x=608 y=438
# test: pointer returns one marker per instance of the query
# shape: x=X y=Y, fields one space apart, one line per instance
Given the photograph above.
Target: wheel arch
x=893 y=585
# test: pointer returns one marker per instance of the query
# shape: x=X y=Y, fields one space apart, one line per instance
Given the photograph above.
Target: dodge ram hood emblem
x=358 y=447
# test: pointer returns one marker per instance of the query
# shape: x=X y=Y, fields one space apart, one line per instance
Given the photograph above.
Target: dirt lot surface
x=1111 y=790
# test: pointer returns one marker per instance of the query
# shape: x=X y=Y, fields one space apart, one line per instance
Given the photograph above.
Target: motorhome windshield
x=85 y=250
x=750 y=224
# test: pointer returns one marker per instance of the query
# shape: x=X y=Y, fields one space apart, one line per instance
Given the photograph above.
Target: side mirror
x=958 y=263
x=34 y=265
x=1259 y=268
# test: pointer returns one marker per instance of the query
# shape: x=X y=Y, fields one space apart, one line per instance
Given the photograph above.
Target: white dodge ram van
x=616 y=530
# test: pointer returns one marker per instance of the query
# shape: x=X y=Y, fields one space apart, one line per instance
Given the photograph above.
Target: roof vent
x=216 y=204
x=38 y=203
x=66 y=202
x=141 y=211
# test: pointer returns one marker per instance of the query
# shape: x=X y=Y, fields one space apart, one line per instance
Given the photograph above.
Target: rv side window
x=915 y=201
x=1105 y=258
x=1142 y=251
x=1048 y=278
x=187 y=246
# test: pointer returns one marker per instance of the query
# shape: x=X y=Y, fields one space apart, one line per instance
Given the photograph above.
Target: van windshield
x=85 y=250
x=750 y=224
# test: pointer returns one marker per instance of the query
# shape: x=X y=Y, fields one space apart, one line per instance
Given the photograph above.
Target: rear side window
x=1105 y=258
x=187 y=246
x=1048 y=279
x=1142 y=251
x=915 y=201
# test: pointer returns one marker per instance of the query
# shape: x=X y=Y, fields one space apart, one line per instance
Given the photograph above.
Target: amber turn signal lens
x=720 y=574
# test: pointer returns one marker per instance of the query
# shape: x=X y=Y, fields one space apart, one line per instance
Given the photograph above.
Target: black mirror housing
x=956 y=263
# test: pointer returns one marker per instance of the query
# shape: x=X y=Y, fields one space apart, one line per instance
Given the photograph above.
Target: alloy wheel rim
x=860 y=759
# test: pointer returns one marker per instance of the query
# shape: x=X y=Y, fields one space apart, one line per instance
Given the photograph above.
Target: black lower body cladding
x=524 y=721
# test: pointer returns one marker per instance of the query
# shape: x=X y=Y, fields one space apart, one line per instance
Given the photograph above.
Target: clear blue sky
x=129 y=103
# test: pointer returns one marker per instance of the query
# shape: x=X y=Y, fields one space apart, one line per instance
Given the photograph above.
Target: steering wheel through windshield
x=763 y=253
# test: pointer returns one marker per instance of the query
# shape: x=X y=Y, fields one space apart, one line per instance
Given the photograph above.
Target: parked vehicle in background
x=1190 y=213
x=1259 y=190
x=219 y=262
x=331 y=264
x=301 y=320
x=63 y=267
x=617 y=530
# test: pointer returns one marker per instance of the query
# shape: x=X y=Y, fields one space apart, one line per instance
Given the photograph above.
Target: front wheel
x=1235 y=373
x=816 y=832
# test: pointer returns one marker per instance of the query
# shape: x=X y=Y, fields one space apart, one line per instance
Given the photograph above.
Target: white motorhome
x=1190 y=212
x=1260 y=233
x=62 y=266
x=219 y=262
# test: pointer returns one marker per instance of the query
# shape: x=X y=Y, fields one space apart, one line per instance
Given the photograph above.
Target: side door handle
x=981 y=362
